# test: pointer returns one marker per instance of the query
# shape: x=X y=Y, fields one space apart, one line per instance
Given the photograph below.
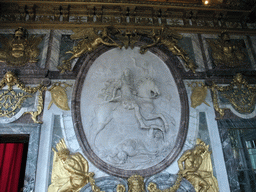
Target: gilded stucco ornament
x=169 y=38
x=226 y=53
x=59 y=95
x=136 y=184
x=90 y=41
x=21 y=49
x=199 y=93
x=194 y=165
x=239 y=93
x=11 y=100
x=70 y=172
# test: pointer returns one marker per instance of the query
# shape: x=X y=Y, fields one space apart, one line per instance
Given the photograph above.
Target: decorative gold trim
x=13 y=100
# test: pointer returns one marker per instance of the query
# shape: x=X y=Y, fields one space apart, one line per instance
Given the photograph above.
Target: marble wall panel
x=191 y=44
x=238 y=163
x=32 y=155
x=61 y=43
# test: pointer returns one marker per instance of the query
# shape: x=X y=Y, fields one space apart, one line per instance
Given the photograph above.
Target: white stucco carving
x=130 y=109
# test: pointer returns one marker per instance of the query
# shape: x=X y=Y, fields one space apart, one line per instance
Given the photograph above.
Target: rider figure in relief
x=126 y=87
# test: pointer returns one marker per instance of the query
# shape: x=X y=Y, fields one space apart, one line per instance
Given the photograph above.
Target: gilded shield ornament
x=59 y=96
x=198 y=95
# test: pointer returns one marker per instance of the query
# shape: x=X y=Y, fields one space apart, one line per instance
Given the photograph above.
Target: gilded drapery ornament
x=90 y=41
x=169 y=38
x=239 y=93
x=226 y=53
x=59 y=95
x=11 y=101
x=199 y=93
x=70 y=172
x=21 y=49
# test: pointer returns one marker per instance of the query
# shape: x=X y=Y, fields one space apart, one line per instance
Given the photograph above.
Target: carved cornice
x=184 y=17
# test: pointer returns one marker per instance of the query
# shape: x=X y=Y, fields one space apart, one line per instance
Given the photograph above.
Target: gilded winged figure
x=169 y=38
x=90 y=40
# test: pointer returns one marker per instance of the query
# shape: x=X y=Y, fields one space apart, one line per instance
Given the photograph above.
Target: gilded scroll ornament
x=90 y=41
x=199 y=93
x=59 y=95
x=11 y=101
x=70 y=172
x=226 y=53
x=120 y=188
x=169 y=38
x=21 y=49
x=239 y=93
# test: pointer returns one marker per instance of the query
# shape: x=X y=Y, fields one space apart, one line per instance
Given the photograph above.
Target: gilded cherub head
x=10 y=79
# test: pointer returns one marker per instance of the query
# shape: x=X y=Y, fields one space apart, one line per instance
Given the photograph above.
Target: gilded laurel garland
x=12 y=100
x=91 y=39
x=21 y=49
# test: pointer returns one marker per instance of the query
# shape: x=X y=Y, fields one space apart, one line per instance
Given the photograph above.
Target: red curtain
x=10 y=164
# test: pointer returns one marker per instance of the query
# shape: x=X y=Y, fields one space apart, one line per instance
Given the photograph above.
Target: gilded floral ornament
x=70 y=172
x=239 y=93
x=226 y=53
x=90 y=40
x=11 y=100
x=21 y=49
x=59 y=95
x=169 y=38
x=199 y=93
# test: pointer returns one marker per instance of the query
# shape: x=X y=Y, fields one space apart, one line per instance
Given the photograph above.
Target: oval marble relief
x=129 y=112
